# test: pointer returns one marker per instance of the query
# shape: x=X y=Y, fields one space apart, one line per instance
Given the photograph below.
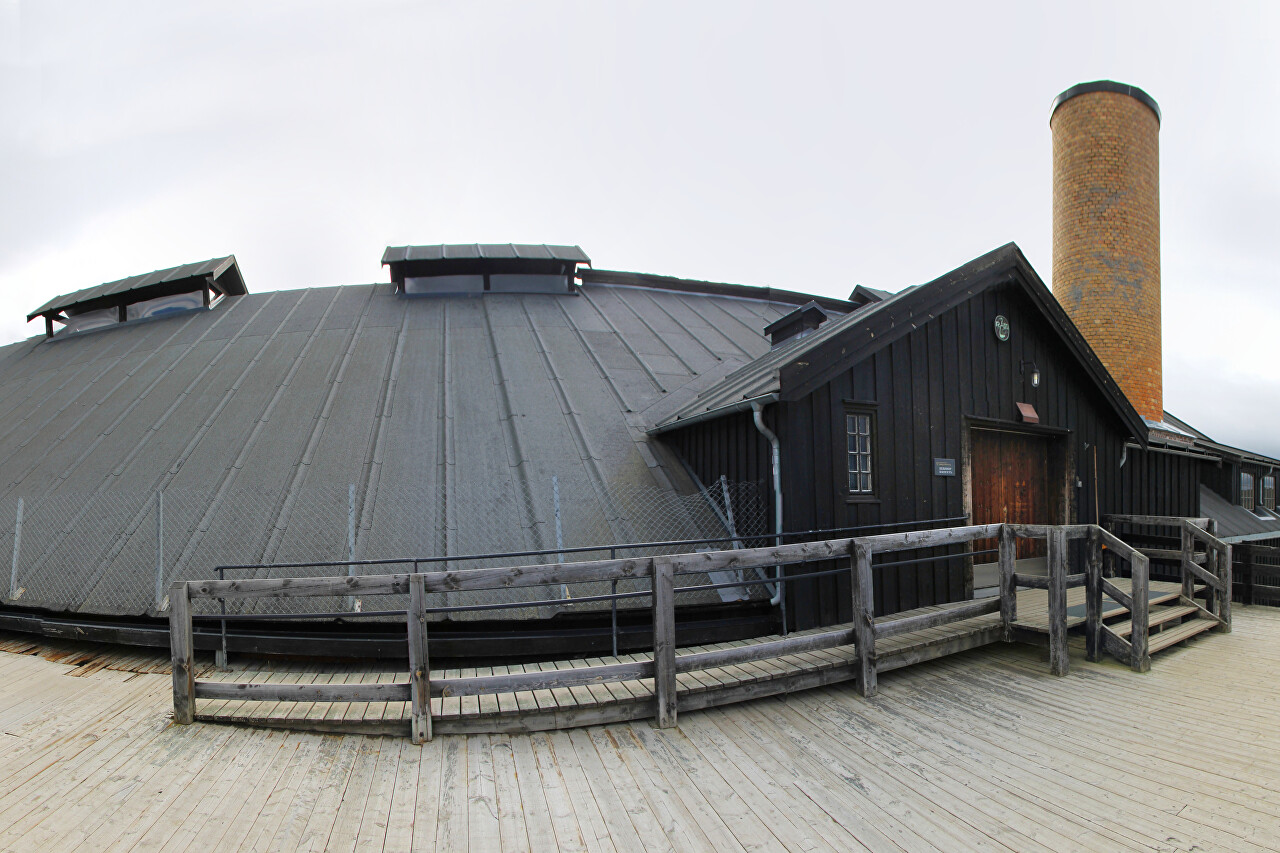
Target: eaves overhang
x=744 y=405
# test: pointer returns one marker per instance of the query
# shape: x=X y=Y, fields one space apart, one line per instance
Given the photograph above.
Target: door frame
x=1061 y=462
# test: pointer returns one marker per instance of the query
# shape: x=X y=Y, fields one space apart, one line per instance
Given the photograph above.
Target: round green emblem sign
x=1002 y=327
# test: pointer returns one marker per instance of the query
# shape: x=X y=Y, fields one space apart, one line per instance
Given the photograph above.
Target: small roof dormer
x=797 y=324
x=477 y=268
x=863 y=295
x=141 y=297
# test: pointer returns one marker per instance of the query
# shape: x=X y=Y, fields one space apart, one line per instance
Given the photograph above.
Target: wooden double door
x=1015 y=477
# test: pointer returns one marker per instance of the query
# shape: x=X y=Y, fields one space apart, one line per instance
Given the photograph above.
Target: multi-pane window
x=1269 y=492
x=858 y=428
x=1246 y=491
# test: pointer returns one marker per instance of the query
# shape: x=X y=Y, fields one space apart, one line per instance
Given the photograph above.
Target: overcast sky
x=811 y=146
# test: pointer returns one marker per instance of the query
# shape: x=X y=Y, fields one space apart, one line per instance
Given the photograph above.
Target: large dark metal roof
x=485 y=251
x=223 y=270
x=451 y=416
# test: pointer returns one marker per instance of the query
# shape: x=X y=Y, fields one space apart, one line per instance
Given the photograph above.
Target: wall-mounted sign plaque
x=944 y=467
x=1002 y=327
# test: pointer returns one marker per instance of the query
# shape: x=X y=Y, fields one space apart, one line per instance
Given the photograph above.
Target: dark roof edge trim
x=1107 y=86
x=712 y=414
x=713 y=288
x=437 y=252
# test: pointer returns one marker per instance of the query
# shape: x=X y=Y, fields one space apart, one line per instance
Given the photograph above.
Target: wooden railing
x=1100 y=637
x=1056 y=582
x=1202 y=557
x=664 y=664
x=1215 y=574
x=866 y=630
x=662 y=667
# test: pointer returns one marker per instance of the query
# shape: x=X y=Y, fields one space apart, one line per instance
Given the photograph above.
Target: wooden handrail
x=1154 y=520
x=1216 y=572
x=665 y=663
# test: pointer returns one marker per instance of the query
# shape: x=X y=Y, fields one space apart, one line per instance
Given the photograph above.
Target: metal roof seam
x=733 y=343
x=573 y=421
x=695 y=338
x=595 y=359
x=623 y=340
x=660 y=338
x=320 y=421
x=515 y=453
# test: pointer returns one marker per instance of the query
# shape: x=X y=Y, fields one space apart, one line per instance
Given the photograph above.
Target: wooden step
x=1188 y=629
x=1117 y=611
x=1157 y=616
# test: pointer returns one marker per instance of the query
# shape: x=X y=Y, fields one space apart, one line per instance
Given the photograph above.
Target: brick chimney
x=1106 y=230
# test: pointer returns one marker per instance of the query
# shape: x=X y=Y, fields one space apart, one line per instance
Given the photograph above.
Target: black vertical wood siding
x=922 y=388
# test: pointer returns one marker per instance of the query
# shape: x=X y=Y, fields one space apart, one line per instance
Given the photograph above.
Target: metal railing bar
x=581 y=549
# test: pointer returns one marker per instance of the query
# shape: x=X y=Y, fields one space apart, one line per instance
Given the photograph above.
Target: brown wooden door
x=1010 y=482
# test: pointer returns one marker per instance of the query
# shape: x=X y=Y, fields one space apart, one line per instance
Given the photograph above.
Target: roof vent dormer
x=863 y=296
x=797 y=324
x=476 y=268
x=142 y=297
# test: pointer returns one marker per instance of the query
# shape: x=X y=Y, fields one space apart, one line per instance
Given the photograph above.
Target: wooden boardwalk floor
x=978 y=751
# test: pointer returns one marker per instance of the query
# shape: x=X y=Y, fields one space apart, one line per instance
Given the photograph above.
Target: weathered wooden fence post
x=1008 y=585
x=1140 y=572
x=1211 y=596
x=1093 y=597
x=1250 y=564
x=419 y=662
x=1188 y=554
x=183 y=655
x=1059 y=657
x=1224 y=600
x=864 y=621
x=664 y=640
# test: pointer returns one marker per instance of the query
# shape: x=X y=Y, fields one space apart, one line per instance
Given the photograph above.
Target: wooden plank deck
x=979 y=751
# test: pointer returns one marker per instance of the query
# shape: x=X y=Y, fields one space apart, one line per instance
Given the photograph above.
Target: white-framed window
x=860 y=432
x=1246 y=491
x=1269 y=491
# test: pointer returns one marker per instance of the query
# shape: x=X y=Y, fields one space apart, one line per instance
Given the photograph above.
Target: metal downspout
x=757 y=410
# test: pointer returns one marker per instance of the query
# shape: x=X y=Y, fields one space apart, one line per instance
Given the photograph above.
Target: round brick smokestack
x=1106 y=230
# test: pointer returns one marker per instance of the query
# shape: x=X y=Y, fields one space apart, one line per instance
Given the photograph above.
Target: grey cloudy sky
x=811 y=146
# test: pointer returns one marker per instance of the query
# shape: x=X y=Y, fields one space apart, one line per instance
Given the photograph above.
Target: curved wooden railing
x=664 y=664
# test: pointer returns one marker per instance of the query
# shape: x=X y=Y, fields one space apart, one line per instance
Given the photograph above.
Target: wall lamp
x=1035 y=371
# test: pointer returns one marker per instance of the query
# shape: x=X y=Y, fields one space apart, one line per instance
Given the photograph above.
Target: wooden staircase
x=1201 y=602
x=1169 y=622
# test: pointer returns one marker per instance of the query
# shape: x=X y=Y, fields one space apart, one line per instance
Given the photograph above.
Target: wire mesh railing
x=115 y=551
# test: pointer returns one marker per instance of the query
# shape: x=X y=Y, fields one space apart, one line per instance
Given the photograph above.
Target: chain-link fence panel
x=82 y=552
x=117 y=552
x=9 y=541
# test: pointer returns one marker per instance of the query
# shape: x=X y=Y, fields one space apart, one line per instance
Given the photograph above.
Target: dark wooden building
x=972 y=397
